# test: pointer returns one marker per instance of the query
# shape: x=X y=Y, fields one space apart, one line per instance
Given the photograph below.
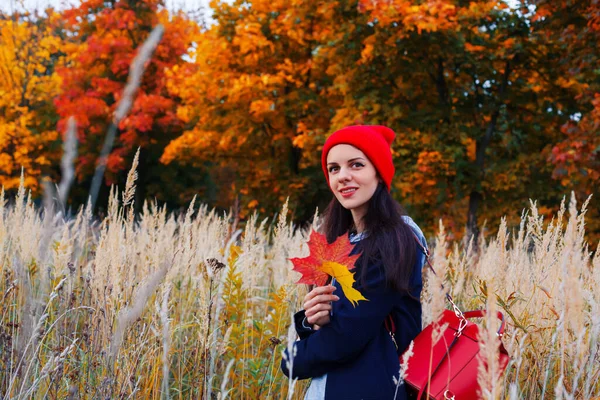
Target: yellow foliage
x=27 y=83
x=471 y=145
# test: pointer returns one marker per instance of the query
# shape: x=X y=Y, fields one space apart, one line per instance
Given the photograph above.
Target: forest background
x=493 y=104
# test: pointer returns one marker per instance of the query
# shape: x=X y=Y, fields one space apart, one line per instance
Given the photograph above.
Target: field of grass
x=162 y=305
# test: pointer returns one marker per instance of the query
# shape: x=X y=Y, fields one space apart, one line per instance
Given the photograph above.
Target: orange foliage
x=102 y=50
x=256 y=97
x=491 y=105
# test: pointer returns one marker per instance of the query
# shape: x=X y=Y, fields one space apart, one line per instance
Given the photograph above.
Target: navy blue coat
x=355 y=350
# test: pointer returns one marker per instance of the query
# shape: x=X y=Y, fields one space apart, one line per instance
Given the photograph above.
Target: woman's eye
x=357 y=164
x=332 y=169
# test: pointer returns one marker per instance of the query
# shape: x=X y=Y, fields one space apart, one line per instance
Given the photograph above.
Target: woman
x=346 y=350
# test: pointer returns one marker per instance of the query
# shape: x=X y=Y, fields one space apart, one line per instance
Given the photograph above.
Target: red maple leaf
x=327 y=260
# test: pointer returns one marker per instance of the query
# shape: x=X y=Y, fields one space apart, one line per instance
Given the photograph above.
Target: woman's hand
x=317 y=305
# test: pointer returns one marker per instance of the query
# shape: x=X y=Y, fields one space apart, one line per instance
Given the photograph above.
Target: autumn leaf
x=327 y=260
x=345 y=278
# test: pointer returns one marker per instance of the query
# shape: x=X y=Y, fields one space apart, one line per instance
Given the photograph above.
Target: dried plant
x=132 y=176
x=67 y=161
x=75 y=320
x=129 y=314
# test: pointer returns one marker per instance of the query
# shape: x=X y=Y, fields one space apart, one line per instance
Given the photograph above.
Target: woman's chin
x=347 y=204
x=350 y=204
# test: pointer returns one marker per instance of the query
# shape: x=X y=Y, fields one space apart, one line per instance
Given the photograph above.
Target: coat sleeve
x=350 y=330
x=303 y=328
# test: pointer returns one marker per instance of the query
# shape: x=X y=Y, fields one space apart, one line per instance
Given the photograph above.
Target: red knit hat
x=373 y=140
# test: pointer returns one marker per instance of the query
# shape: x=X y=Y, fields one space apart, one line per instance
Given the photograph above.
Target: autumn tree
x=464 y=86
x=473 y=100
x=30 y=52
x=570 y=30
x=104 y=38
x=492 y=104
x=257 y=104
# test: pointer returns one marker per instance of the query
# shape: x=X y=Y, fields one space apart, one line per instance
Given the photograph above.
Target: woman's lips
x=347 y=194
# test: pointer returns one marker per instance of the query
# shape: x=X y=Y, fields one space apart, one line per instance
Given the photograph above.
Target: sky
x=9 y=5
x=185 y=5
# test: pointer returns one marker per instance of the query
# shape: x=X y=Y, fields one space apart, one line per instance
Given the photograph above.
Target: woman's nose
x=343 y=175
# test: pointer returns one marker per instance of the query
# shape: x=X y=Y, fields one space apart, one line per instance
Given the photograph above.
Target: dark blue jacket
x=355 y=349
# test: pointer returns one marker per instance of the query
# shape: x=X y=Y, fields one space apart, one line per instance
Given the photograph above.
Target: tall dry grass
x=163 y=305
x=544 y=277
x=157 y=305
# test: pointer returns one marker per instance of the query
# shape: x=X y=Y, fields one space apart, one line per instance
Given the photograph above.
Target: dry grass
x=152 y=306
x=189 y=306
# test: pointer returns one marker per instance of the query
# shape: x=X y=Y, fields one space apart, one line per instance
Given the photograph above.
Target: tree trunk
x=476 y=195
x=475 y=199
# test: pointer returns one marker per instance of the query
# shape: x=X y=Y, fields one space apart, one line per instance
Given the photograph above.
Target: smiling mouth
x=348 y=192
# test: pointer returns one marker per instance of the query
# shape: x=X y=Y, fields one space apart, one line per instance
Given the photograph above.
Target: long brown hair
x=389 y=239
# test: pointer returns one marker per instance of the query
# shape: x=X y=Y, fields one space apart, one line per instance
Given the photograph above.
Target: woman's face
x=352 y=178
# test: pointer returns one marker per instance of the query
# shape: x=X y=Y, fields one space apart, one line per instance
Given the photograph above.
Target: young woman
x=346 y=350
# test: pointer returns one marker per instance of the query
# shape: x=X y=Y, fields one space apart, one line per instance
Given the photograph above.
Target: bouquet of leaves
x=329 y=260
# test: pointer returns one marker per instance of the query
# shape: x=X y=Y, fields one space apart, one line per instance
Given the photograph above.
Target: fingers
x=317 y=308
x=320 y=318
x=328 y=289
x=319 y=295
x=317 y=304
x=321 y=299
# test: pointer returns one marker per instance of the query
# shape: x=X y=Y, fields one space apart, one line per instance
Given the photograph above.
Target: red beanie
x=373 y=140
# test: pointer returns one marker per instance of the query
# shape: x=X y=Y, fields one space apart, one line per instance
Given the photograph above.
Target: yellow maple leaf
x=345 y=278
